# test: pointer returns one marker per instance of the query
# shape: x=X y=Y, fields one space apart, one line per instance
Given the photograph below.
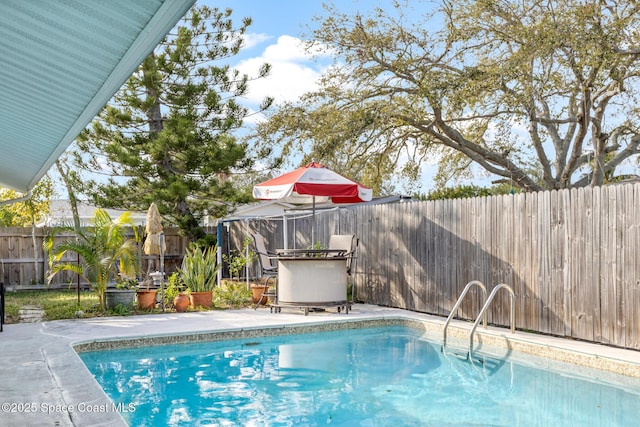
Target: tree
x=27 y=212
x=72 y=183
x=466 y=191
x=103 y=247
x=542 y=95
x=166 y=135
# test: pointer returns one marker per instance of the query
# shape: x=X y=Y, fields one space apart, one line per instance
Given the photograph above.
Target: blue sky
x=273 y=17
x=274 y=37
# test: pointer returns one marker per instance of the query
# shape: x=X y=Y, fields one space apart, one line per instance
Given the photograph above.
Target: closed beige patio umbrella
x=154 y=244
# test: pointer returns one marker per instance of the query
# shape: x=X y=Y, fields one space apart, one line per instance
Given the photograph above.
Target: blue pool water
x=360 y=377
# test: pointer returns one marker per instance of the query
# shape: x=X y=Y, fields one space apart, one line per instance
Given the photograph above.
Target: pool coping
x=43 y=368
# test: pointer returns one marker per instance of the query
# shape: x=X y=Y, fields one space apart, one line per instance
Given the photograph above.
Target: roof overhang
x=62 y=60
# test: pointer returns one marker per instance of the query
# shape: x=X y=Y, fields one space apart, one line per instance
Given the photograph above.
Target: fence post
x=1 y=305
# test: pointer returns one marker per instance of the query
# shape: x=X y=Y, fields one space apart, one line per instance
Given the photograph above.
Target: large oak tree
x=540 y=94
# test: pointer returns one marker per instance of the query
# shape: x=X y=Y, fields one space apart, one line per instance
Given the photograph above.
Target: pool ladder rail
x=486 y=302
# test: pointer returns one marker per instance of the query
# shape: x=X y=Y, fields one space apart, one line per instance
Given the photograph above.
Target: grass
x=56 y=304
x=63 y=304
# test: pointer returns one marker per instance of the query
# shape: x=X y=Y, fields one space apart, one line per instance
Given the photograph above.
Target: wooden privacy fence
x=23 y=261
x=570 y=256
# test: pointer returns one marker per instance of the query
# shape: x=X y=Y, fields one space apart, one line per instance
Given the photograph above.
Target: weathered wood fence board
x=570 y=256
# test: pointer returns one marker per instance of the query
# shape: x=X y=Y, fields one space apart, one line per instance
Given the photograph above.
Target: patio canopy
x=62 y=60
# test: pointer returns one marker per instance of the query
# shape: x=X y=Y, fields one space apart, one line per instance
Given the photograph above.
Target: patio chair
x=346 y=243
x=268 y=267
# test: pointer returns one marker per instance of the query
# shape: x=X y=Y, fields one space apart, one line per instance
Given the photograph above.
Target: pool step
x=489 y=365
x=458 y=352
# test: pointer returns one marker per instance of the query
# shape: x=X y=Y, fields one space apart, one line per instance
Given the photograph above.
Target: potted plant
x=176 y=296
x=123 y=294
x=104 y=249
x=260 y=291
x=146 y=298
x=199 y=272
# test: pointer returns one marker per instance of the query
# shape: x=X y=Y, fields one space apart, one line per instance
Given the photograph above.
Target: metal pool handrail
x=484 y=309
x=455 y=307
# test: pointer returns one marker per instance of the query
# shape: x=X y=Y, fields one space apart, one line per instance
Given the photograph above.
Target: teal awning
x=61 y=61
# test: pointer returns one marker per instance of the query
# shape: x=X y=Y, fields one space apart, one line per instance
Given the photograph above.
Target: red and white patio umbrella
x=313 y=183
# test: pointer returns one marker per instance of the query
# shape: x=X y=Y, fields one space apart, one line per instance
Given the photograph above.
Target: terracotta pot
x=256 y=293
x=202 y=299
x=147 y=299
x=181 y=303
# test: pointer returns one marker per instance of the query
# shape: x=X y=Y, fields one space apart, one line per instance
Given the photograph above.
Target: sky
x=274 y=37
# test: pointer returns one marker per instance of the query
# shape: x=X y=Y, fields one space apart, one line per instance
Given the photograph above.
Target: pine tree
x=166 y=136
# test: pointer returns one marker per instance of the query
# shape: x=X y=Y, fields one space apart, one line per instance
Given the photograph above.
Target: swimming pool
x=387 y=376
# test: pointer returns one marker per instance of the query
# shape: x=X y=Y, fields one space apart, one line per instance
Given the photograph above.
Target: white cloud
x=286 y=49
x=253 y=39
x=293 y=71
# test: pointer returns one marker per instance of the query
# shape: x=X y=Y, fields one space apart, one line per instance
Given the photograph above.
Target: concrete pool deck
x=43 y=382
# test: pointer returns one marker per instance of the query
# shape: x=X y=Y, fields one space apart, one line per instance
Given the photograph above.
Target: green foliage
x=467 y=191
x=199 y=271
x=104 y=249
x=122 y=310
x=168 y=132
x=175 y=286
x=238 y=260
x=540 y=94
x=232 y=294
x=126 y=282
x=27 y=213
x=459 y=192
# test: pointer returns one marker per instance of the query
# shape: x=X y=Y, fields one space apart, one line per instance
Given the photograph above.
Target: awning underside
x=61 y=62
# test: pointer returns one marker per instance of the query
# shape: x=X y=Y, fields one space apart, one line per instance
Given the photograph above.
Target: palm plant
x=199 y=269
x=104 y=249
